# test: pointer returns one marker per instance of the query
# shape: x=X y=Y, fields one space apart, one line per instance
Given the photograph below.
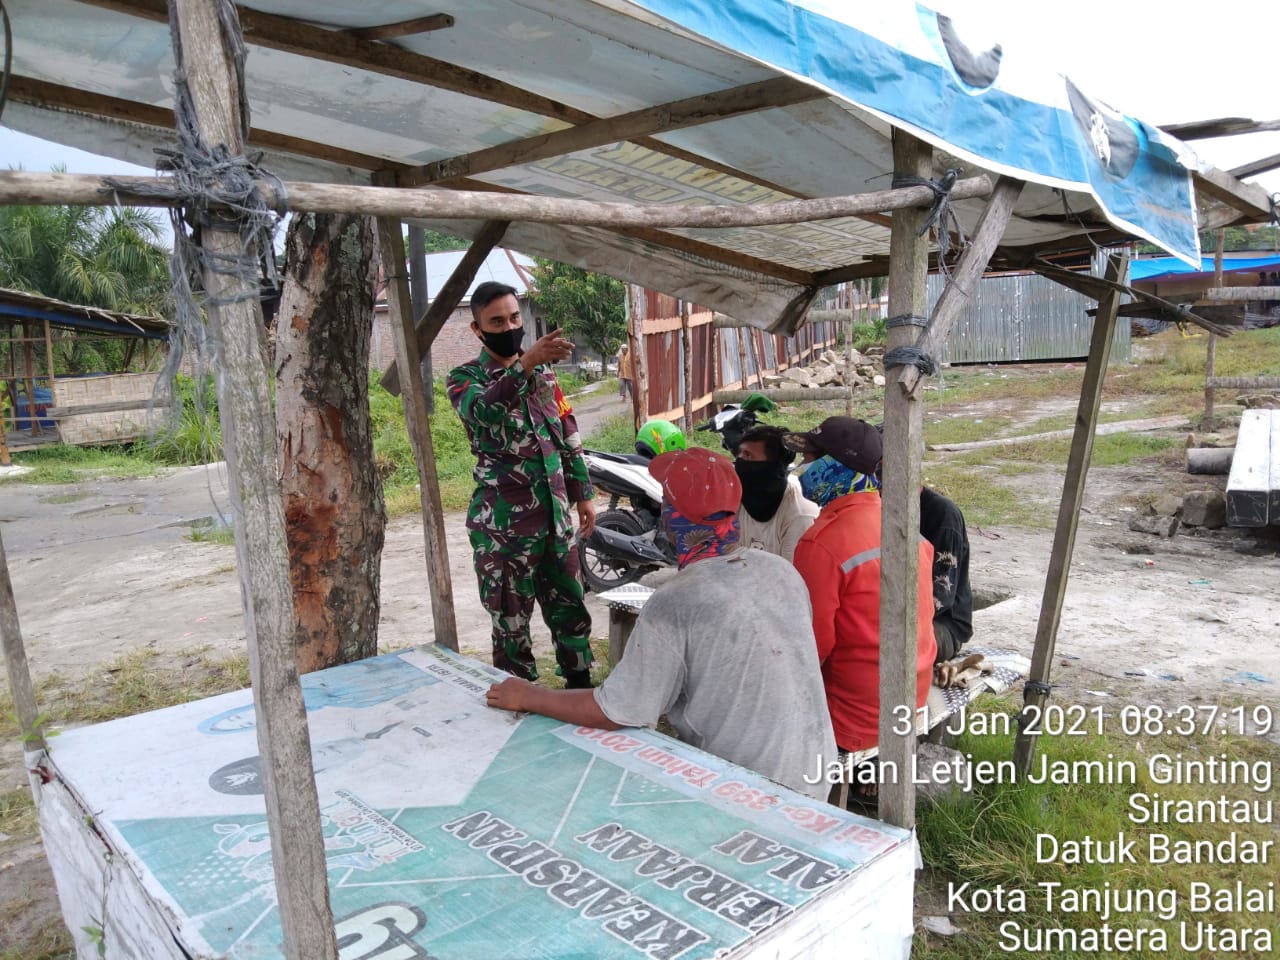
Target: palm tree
x=98 y=256
x=106 y=257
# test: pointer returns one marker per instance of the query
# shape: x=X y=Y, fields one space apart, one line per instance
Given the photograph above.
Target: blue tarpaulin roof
x=1156 y=268
x=512 y=72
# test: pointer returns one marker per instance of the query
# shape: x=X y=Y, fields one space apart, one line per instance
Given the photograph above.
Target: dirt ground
x=103 y=567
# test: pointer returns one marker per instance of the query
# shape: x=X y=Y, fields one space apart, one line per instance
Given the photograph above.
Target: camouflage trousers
x=515 y=571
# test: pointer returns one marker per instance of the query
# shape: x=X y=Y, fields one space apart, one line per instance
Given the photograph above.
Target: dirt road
x=104 y=567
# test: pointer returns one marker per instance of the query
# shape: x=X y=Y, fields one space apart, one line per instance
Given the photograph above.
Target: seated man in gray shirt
x=725 y=648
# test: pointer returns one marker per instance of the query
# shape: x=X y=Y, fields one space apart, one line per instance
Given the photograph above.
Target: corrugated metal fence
x=1020 y=317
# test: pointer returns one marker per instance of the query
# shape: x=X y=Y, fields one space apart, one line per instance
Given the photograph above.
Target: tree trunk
x=333 y=504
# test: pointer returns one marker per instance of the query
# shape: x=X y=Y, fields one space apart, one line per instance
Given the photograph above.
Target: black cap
x=853 y=442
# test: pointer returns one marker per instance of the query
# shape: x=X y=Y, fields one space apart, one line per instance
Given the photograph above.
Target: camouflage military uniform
x=529 y=473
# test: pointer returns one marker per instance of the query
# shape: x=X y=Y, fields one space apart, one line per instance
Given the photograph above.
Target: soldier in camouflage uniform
x=529 y=472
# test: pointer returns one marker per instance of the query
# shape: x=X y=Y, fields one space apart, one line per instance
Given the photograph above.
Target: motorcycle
x=627 y=542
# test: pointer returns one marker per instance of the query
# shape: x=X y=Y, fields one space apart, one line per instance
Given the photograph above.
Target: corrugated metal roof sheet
x=497 y=267
x=843 y=77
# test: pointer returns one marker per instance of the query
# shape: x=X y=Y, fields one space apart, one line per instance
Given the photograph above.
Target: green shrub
x=60 y=463
x=196 y=437
x=394 y=454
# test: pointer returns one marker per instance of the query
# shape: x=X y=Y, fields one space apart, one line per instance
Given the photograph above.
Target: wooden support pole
x=1211 y=354
x=1095 y=288
x=15 y=660
x=713 y=345
x=29 y=363
x=848 y=359
x=964 y=278
x=421 y=299
x=639 y=363
x=450 y=295
x=400 y=309
x=1246 y=383
x=758 y=356
x=76 y=189
x=900 y=513
x=1036 y=692
x=48 y=361
x=742 y=356
x=204 y=57
x=686 y=353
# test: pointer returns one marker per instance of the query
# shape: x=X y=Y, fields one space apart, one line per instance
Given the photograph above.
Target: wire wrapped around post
x=941 y=216
x=906 y=320
x=910 y=357
x=215 y=189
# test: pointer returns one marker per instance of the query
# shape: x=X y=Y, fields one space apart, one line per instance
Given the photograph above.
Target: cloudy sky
x=1161 y=62
x=1158 y=62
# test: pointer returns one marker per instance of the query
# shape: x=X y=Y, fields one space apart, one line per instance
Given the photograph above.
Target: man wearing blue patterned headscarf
x=839 y=559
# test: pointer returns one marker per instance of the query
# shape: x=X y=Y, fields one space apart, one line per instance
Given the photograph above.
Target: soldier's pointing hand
x=550 y=348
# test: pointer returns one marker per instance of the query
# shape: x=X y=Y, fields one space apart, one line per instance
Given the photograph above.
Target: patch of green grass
x=612 y=435
x=988 y=838
x=869 y=334
x=394 y=454
x=572 y=383
x=546 y=665
x=61 y=463
x=196 y=436
x=962 y=429
x=975 y=384
x=17 y=813
x=135 y=682
x=1110 y=450
x=985 y=502
x=213 y=533
x=52 y=942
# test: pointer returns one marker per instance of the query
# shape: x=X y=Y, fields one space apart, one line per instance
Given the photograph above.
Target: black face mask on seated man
x=764 y=482
x=504 y=344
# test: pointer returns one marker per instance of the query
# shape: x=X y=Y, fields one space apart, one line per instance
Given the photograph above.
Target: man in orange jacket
x=839 y=559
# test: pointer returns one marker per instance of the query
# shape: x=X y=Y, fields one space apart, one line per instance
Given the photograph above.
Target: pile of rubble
x=1168 y=512
x=865 y=371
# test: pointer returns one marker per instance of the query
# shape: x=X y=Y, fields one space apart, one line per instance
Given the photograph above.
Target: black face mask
x=504 y=344
x=764 y=483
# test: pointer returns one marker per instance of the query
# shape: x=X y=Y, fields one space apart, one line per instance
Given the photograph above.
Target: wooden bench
x=1253 y=486
x=625 y=604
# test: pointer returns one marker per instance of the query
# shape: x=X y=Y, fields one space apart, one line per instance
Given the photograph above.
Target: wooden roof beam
x=341 y=47
x=1265 y=165
x=54 y=96
x=1247 y=198
x=405 y=28
x=22 y=187
x=677 y=115
x=1223 y=127
x=1097 y=287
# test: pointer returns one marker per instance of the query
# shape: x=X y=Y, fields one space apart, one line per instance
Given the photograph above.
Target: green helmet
x=659 y=436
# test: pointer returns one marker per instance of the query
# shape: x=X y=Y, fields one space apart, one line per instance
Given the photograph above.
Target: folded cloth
x=961 y=672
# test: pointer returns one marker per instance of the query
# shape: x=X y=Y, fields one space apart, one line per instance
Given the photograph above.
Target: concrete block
x=1204 y=508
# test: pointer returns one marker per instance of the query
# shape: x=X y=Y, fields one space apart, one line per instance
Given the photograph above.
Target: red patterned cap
x=699 y=484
